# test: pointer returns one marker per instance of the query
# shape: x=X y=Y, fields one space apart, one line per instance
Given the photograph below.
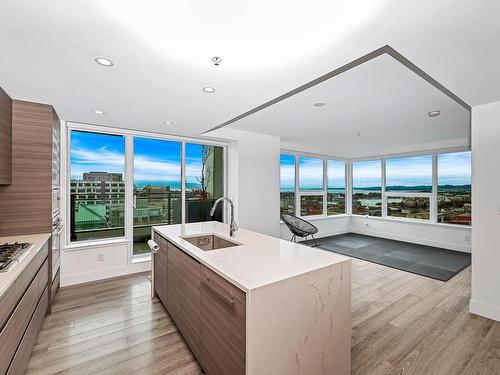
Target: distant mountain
x=424 y=188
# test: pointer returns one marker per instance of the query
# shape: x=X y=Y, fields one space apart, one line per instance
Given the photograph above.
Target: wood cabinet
x=222 y=325
x=5 y=138
x=209 y=311
x=190 y=302
x=160 y=269
x=174 y=284
x=24 y=314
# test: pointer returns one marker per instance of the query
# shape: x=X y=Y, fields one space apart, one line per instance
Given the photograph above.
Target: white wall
x=99 y=261
x=485 y=299
x=451 y=237
x=328 y=226
x=440 y=235
x=253 y=179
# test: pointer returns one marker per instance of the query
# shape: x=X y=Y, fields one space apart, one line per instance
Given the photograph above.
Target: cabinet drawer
x=15 y=292
x=21 y=359
x=222 y=325
x=13 y=331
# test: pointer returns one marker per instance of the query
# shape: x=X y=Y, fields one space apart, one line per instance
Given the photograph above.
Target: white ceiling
x=379 y=107
x=162 y=53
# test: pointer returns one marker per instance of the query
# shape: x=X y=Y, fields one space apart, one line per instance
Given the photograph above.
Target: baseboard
x=416 y=240
x=85 y=277
x=485 y=309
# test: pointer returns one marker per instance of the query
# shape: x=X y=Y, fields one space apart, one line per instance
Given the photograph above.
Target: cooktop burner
x=10 y=253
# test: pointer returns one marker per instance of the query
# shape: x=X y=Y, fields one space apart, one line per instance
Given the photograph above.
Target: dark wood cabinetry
x=5 y=138
x=209 y=311
x=23 y=308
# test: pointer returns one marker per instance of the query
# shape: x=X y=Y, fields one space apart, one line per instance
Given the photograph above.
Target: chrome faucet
x=232 y=227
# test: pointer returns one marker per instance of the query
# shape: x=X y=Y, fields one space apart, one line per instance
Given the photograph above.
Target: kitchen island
x=254 y=304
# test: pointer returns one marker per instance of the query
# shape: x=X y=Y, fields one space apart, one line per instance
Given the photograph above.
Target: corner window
x=310 y=174
x=409 y=174
x=311 y=186
x=367 y=188
x=287 y=184
x=454 y=188
x=409 y=187
x=335 y=197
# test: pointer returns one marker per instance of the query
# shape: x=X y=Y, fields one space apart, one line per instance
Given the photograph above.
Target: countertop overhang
x=259 y=260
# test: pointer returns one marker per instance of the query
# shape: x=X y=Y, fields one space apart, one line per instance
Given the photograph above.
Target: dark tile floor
x=434 y=262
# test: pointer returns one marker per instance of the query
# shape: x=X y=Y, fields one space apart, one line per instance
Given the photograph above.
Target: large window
x=409 y=174
x=287 y=184
x=409 y=187
x=367 y=188
x=99 y=203
x=310 y=174
x=311 y=186
x=97 y=186
x=204 y=181
x=454 y=188
x=336 y=187
x=157 y=187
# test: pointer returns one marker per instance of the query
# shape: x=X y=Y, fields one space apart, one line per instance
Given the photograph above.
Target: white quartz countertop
x=259 y=260
x=38 y=240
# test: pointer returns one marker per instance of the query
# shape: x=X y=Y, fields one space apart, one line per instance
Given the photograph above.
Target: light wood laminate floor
x=402 y=324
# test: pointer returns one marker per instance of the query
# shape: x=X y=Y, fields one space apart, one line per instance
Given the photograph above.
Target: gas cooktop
x=10 y=253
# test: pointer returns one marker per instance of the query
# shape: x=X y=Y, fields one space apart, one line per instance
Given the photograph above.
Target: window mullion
x=383 y=183
x=434 y=208
x=325 y=187
x=183 y=182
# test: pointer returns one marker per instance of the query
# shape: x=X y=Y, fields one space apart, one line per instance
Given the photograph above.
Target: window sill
x=320 y=217
x=93 y=243
x=140 y=258
x=415 y=221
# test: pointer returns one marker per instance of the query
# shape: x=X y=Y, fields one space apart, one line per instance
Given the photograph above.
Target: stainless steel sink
x=208 y=242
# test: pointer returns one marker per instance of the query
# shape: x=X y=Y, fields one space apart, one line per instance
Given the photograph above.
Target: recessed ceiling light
x=168 y=123
x=434 y=113
x=104 y=61
x=319 y=104
x=208 y=90
x=99 y=112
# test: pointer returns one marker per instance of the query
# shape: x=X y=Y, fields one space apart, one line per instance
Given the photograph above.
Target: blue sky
x=155 y=161
x=311 y=173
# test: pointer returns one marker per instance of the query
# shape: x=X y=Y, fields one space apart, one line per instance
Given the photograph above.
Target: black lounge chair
x=299 y=227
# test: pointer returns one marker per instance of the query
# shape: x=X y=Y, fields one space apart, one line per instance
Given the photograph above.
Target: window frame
x=433 y=195
x=408 y=194
x=324 y=191
x=129 y=136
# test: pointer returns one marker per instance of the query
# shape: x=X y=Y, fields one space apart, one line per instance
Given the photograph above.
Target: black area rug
x=433 y=262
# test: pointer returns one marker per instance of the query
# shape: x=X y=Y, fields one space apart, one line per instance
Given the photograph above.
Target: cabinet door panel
x=174 y=284
x=222 y=325
x=190 y=302
x=160 y=269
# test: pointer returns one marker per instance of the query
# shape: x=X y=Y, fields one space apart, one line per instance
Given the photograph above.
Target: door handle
x=134 y=201
x=212 y=287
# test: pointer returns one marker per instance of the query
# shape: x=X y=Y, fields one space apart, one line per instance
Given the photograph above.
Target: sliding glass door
x=157 y=188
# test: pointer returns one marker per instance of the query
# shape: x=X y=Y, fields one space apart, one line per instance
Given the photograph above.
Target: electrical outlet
x=100 y=257
x=367 y=225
